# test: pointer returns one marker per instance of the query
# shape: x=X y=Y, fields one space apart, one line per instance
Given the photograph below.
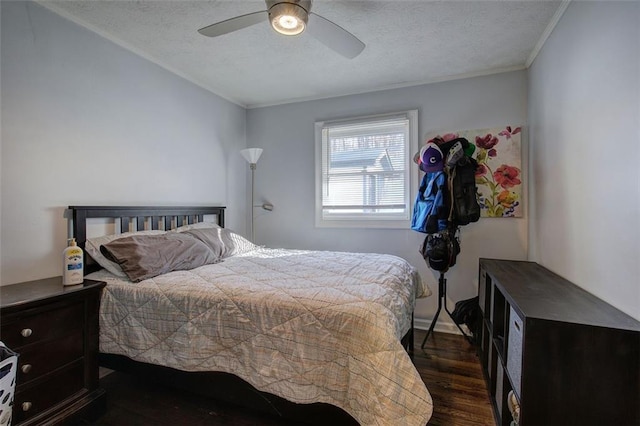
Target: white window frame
x=411 y=175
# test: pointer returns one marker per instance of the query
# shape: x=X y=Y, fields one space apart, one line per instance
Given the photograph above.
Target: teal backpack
x=431 y=211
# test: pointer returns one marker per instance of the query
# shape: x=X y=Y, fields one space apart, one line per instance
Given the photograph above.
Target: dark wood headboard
x=142 y=217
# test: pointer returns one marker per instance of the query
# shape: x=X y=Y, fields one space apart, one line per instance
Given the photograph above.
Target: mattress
x=309 y=326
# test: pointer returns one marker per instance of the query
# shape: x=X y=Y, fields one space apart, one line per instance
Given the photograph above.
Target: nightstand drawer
x=49 y=392
x=37 y=360
x=43 y=325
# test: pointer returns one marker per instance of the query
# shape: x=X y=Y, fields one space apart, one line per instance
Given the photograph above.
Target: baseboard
x=444 y=325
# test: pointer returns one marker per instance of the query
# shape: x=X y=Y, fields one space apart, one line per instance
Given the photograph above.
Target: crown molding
x=392 y=86
x=547 y=32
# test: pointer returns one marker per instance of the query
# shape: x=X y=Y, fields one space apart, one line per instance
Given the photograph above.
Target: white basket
x=8 y=368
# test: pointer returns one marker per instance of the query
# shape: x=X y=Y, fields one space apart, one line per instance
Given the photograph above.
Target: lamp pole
x=253 y=175
x=252 y=155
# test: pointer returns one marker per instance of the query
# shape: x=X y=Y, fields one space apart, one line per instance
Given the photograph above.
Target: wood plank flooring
x=448 y=365
x=451 y=371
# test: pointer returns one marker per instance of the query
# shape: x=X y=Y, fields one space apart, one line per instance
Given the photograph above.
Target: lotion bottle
x=73 y=270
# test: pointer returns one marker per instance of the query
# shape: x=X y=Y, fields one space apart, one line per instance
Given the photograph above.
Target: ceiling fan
x=292 y=17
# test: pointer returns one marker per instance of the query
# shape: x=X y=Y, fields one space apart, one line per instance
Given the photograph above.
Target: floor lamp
x=252 y=155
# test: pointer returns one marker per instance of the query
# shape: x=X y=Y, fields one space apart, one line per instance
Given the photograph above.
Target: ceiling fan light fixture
x=288 y=18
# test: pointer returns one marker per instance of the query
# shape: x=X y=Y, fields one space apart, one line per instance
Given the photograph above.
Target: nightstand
x=54 y=329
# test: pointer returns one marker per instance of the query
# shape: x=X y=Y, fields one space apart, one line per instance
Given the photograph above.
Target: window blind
x=365 y=170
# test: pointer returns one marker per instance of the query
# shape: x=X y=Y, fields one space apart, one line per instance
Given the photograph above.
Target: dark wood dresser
x=569 y=357
x=54 y=329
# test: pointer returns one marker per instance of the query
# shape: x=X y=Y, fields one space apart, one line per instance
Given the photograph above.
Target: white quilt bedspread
x=309 y=326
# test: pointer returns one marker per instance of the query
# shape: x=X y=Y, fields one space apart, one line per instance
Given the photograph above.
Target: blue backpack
x=430 y=212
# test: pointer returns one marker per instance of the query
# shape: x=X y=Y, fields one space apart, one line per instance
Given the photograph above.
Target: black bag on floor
x=467 y=312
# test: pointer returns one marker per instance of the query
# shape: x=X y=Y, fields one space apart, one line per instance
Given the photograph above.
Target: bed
x=303 y=331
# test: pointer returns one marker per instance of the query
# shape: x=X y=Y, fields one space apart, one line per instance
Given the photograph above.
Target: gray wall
x=87 y=122
x=584 y=115
x=285 y=175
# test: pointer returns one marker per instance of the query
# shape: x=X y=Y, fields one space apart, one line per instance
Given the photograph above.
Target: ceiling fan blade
x=334 y=36
x=234 y=24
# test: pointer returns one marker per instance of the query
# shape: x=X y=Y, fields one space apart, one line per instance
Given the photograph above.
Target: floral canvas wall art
x=499 y=173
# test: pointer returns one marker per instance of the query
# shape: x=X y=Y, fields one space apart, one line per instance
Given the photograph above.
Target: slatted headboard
x=141 y=217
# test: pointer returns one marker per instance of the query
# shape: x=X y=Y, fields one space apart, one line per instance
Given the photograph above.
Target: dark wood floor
x=448 y=365
x=451 y=370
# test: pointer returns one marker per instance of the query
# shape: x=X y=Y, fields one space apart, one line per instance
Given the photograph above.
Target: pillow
x=239 y=243
x=212 y=238
x=147 y=256
x=92 y=247
x=199 y=225
x=222 y=242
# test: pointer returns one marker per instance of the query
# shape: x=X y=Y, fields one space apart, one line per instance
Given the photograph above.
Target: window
x=363 y=171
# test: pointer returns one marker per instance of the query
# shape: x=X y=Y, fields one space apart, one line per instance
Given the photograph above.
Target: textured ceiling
x=407 y=43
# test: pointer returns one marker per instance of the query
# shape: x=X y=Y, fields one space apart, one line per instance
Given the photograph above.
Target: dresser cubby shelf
x=569 y=357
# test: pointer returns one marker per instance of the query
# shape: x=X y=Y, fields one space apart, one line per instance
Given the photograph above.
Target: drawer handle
x=26 y=368
x=26 y=406
x=26 y=332
x=517 y=326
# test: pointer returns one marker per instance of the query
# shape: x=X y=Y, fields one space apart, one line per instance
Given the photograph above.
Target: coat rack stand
x=442 y=300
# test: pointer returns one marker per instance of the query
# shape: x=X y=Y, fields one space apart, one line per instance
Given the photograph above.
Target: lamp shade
x=251 y=154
